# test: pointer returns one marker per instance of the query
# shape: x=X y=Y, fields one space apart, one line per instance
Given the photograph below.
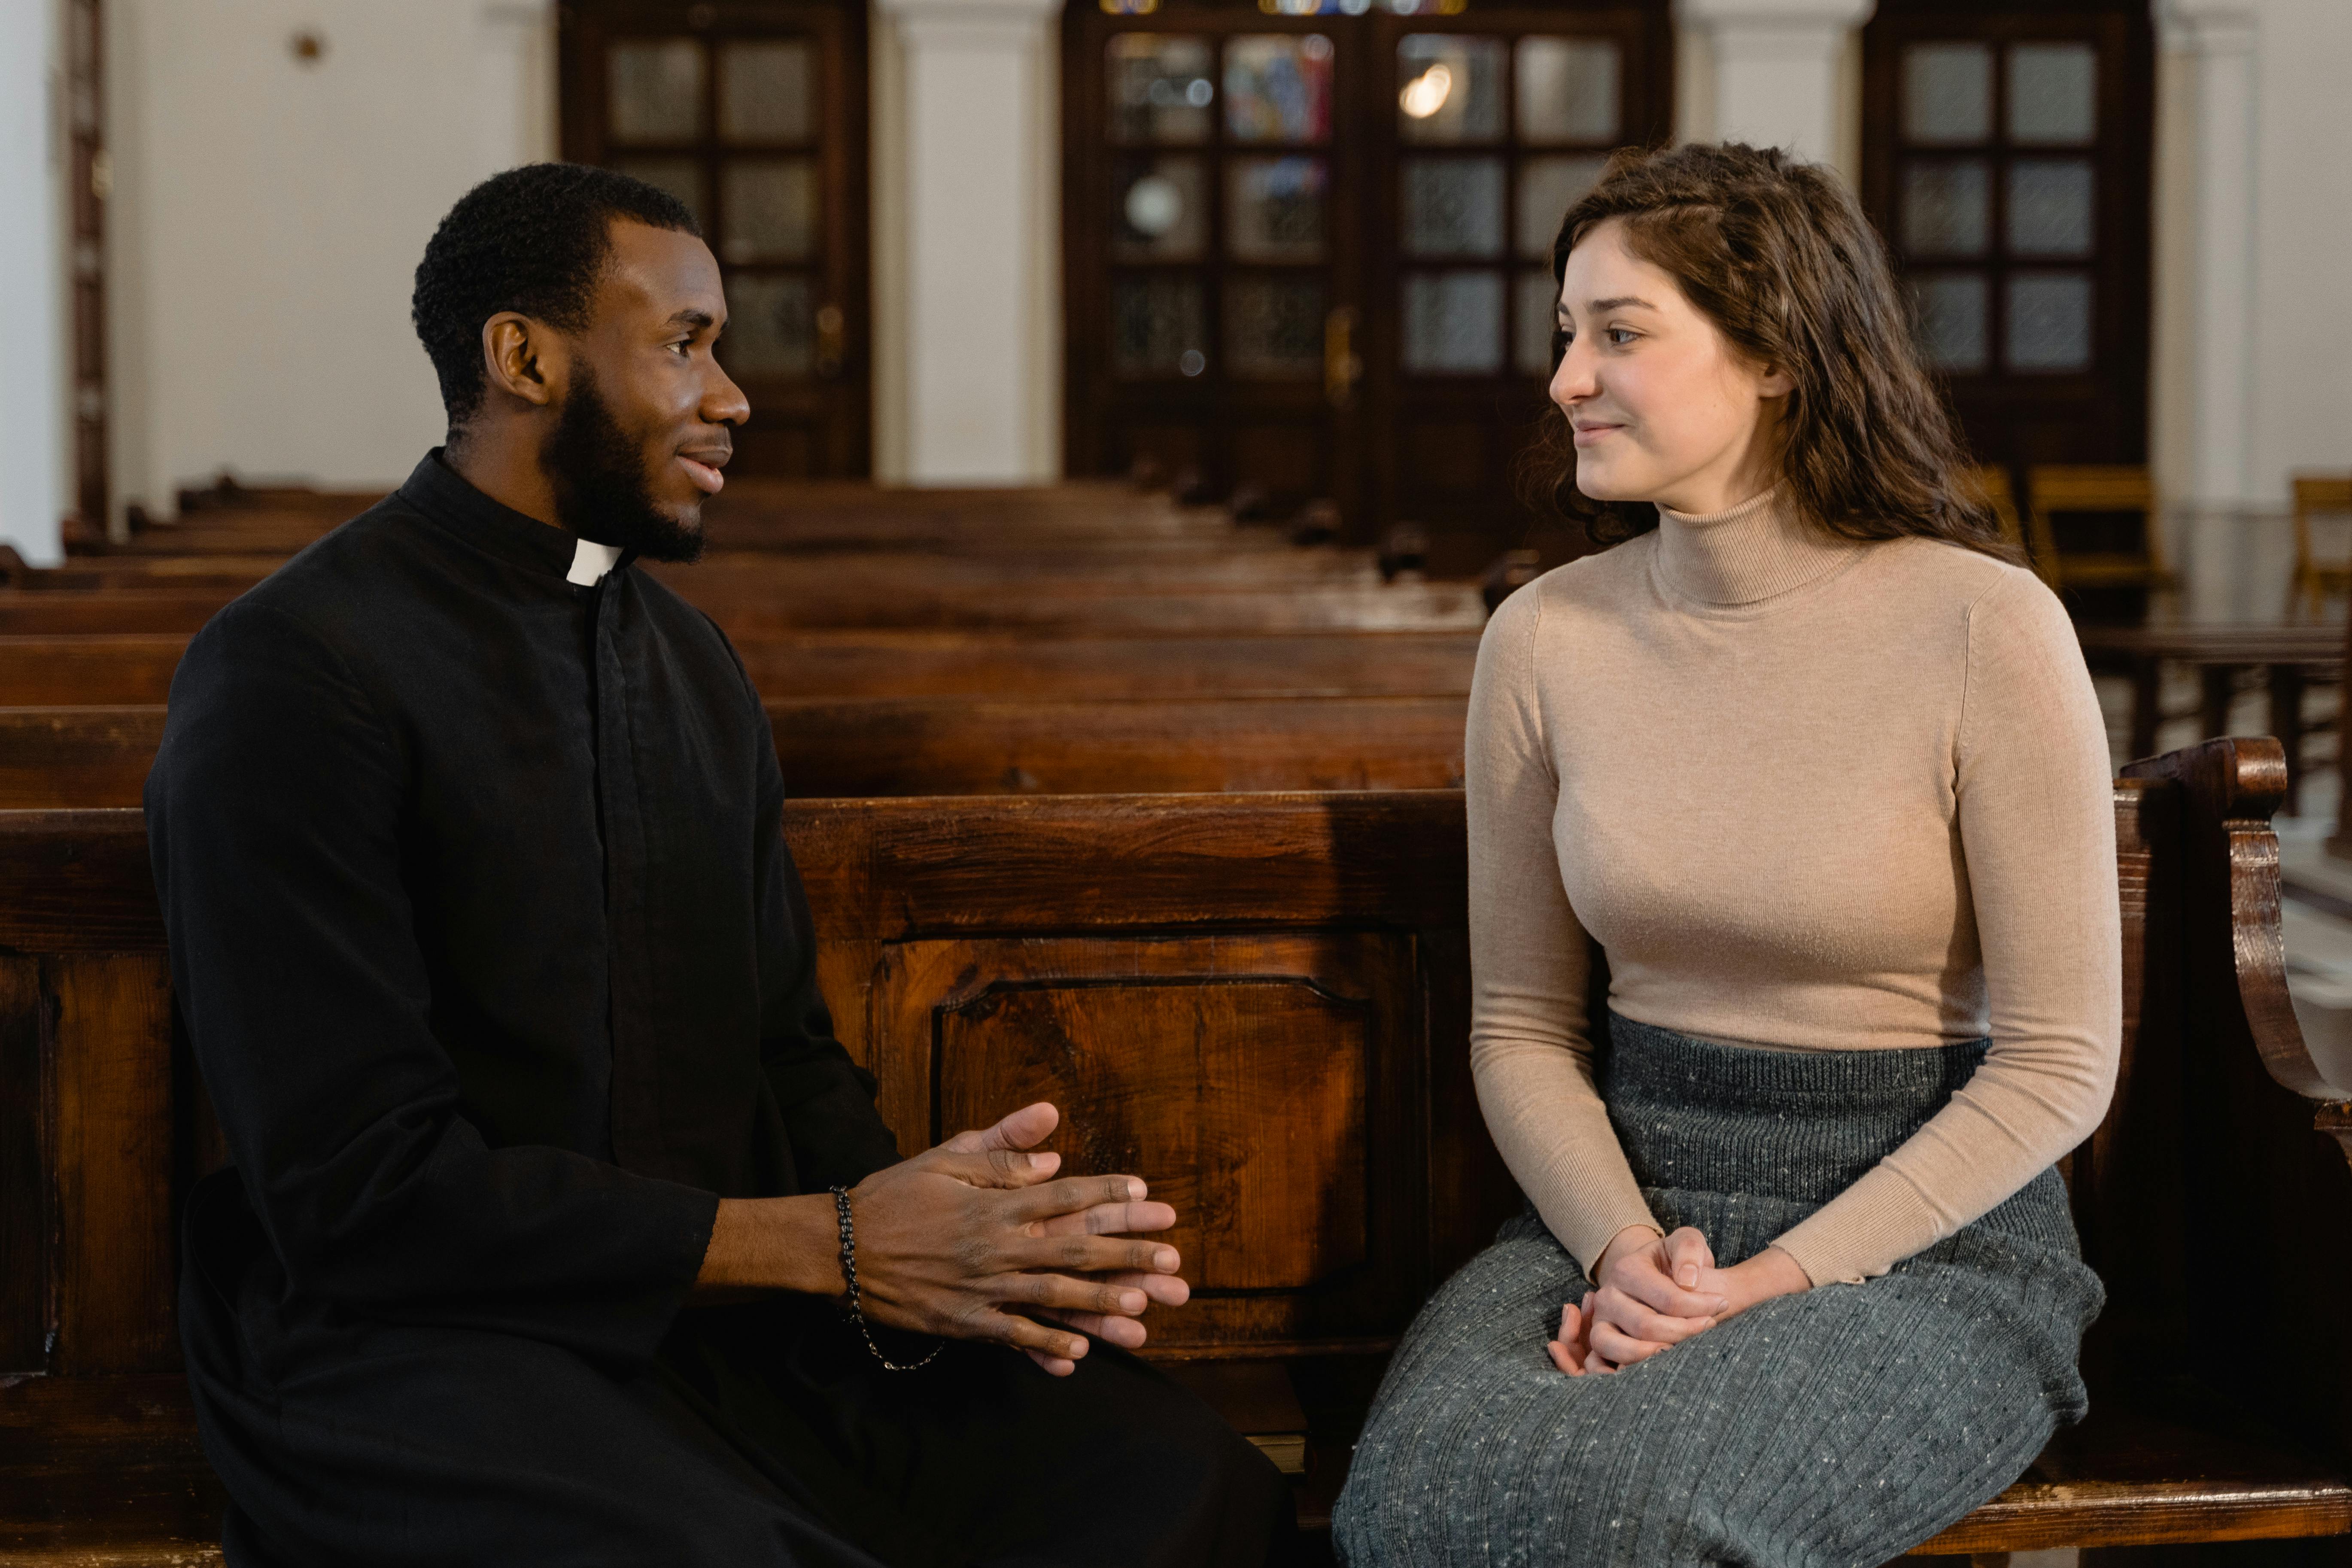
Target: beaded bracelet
x=855 y=1309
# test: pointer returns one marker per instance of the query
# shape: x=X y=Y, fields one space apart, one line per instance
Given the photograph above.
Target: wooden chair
x=2315 y=580
x=1116 y=953
x=2055 y=489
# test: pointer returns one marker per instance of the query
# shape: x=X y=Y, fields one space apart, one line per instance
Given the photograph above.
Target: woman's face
x=1662 y=408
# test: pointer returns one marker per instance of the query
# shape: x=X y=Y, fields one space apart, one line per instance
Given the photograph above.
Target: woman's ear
x=1775 y=383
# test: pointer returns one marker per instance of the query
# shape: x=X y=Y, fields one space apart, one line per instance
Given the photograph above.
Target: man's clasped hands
x=1657 y=1291
x=976 y=1240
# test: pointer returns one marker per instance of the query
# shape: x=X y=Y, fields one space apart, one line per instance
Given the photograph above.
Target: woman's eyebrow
x=1619 y=303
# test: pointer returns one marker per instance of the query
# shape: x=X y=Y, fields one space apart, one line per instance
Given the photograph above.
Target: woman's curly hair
x=1779 y=256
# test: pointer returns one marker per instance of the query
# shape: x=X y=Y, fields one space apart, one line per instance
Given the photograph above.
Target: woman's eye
x=1621 y=336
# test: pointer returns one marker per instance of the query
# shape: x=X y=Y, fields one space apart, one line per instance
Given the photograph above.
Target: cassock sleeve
x=838 y=1137
x=274 y=814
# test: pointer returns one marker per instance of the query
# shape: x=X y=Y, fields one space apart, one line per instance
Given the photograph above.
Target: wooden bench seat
x=1118 y=954
x=54 y=758
x=136 y=667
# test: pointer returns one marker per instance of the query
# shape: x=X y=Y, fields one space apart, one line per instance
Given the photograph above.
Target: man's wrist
x=774 y=1243
x=809 y=1244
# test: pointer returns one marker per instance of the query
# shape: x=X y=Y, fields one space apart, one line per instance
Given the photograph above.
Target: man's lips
x=703 y=467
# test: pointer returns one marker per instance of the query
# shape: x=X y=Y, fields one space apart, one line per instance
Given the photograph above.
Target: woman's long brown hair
x=1779 y=256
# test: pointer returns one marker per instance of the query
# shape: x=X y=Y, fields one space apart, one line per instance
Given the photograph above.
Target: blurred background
x=1288 y=248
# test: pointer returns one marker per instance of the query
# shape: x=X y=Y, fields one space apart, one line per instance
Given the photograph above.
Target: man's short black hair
x=532 y=240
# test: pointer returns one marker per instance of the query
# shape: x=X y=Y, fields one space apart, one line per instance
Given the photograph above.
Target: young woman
x=1819 y=768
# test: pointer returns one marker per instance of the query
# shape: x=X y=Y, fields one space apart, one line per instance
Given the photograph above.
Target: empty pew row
x=99 y=756
x=1117 y=955
x=845 y=573
x=756 y=610
x=766 y=515
x=74 y=670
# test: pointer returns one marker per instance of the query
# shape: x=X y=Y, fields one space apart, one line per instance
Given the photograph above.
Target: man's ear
x=523 y=358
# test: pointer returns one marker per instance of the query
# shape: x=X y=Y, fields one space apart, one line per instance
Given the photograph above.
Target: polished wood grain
x=1169 y=965
x=79 y=670
x=110 y=1070
x=25 y=1163
x=65 y=757
x=1399 y=606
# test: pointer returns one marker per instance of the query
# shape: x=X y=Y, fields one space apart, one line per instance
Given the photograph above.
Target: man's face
x=648 y=414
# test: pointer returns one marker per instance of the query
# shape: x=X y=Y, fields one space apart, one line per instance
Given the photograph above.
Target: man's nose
x=723 y=402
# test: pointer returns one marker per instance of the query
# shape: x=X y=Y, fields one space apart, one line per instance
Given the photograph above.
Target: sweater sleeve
x=2036 y=819
x=1531 y=962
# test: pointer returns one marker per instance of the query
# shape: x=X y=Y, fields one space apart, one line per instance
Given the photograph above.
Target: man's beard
x=599 y=475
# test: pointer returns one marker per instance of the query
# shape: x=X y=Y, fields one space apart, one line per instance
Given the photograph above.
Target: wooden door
x=2006 y=158
x=1491 y=123
x=1300 y=256
x=754 y=115
x=1208 y=194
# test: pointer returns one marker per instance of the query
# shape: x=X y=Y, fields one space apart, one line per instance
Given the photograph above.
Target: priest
x=560 y=1230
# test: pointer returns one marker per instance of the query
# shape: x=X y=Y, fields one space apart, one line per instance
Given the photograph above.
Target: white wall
x=2302 y=415
x=36 y=456
x=270 y=216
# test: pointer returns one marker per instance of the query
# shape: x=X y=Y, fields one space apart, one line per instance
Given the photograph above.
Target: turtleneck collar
x=1747 y=553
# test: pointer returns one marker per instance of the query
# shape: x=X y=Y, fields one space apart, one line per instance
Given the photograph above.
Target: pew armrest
x=2229 y=789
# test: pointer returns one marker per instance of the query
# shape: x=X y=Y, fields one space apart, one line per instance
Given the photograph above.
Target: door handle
x=1342 y=366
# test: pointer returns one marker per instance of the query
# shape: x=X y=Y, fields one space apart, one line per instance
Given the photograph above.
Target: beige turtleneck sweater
x=1807 y=795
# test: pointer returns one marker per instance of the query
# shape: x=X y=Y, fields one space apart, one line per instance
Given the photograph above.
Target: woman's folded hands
x=1657 y=1291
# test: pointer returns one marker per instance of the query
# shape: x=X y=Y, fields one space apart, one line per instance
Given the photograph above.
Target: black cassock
x=487 y=943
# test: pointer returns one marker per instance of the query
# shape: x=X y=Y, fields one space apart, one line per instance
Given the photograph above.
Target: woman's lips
x=1588 y=434
x=706 y=476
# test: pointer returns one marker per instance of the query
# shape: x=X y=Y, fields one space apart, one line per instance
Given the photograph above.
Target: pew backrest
x=1261 y=1002
x=58 y=758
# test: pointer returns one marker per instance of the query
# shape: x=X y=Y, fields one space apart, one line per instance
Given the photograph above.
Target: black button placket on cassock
x=637 y=1113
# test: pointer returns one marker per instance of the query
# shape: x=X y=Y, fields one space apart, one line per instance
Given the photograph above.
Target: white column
x=979 y=332
x=516 y=95
x=1778 y=70
x=34 y=457
x=2218 y=38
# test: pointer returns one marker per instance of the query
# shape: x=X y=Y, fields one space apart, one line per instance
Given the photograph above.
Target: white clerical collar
x=590 y=562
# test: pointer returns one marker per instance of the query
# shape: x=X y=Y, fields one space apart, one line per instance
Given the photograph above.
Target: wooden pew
x=91 y=670
x=1180 y=567
x=1261 y=1003
x=756 y=613
x=767 y=514
x=56 y=758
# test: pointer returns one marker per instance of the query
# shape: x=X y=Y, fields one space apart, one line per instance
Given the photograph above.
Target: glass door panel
x=1306 y=247
x=755 y=120
x=2005 y=155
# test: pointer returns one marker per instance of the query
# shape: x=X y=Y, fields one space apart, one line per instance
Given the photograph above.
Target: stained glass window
x=1278 y=86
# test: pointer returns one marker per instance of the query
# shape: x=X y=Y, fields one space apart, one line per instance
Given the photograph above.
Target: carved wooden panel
x=23 y=1184
x=110 y=1069
x=1244 y=1076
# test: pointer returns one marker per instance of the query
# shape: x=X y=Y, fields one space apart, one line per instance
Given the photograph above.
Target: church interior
x=1145 y=400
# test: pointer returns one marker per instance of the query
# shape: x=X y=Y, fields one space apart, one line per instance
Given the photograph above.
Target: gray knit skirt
x=1839 y=1427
